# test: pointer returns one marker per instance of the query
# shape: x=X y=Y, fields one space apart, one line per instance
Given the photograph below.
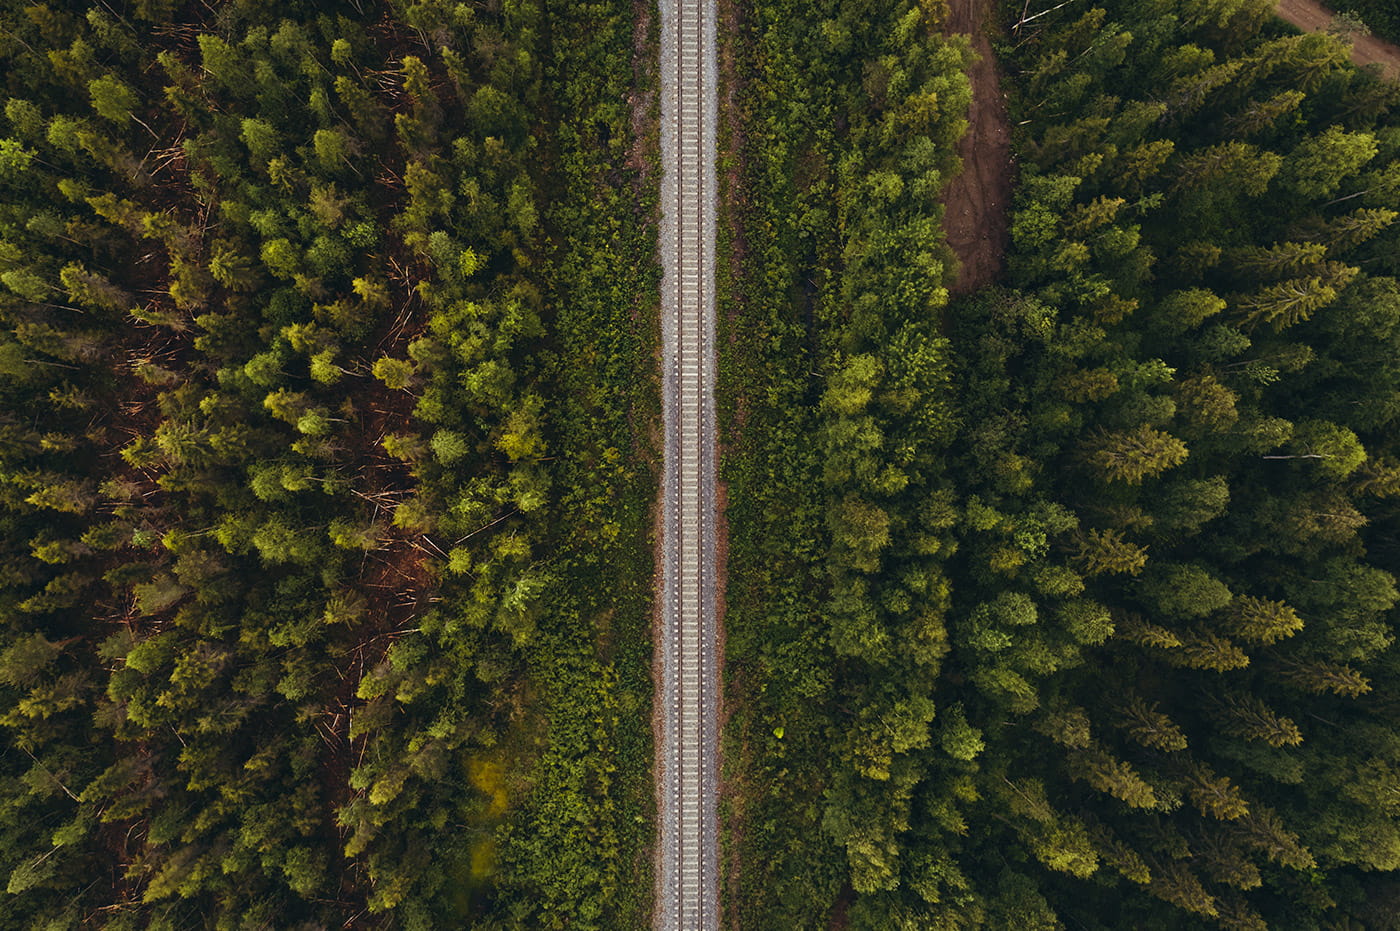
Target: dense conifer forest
x=324 y=471
x=329 y=452
x=1070 y=603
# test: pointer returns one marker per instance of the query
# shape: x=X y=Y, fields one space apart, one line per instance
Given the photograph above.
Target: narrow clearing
x=1365 y=50
x=976 y=201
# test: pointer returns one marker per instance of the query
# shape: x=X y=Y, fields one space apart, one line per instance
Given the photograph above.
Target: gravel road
x=1311 y=16
x=687 y=893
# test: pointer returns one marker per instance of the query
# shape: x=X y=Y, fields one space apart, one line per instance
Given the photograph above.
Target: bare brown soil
x=1311 y=16
x=976 y=201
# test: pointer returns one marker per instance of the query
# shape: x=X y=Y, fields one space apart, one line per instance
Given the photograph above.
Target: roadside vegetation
x=836 y=397
x=324 y=476
x=1378 y=17
x=1088 y=623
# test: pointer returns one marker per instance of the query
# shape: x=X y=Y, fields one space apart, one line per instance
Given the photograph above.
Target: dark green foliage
x=1117 y=654
x=305 y=625
x=1379 y=16
x=836 y=383
x=1183 y=361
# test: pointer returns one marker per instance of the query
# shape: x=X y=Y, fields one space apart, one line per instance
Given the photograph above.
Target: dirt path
x=1365 y=50
x=976 y=201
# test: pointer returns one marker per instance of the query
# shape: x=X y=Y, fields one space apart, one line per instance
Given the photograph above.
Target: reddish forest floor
x=976 y=201
x=1311 y=16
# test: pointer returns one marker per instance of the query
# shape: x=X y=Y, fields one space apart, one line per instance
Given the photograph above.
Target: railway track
x=687 y=897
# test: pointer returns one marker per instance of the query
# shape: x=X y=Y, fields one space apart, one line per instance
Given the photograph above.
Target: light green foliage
x=112 y=99
x=1319 y=165
x=1133 y=456
x=1335 y=448
x=14 y=159
x=394 y=373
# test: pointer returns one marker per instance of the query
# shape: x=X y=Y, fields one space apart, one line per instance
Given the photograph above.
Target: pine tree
x=1263 y=829
x=1225 y=861
x=1320 y=678
x=1308 y=60
x=94 y=291
x=112 y=99
x=1277 y=261
x=1191 y=260
x=1260 y=620
x=1312 y=521
x=1189 y=93
x=1060 y=842
x=1206 y=404
x=1235 y=914
x=1212 y=794
x=1260 y=115
x=1062 y=845
x=1112 y=776
x=1068 y=727
x=1140 y=163
x=1131 y=456
x=1134 y=628
x=1249 y=718
x=1291 y=302
x=1319 y=164
x=1204 y=649
x=1105 y=552
x=1112 y=308
x=1352 y=229
x=1378 y=477
x=1179 y=311
x=1239 y=165
x=1183 y=590
x=1119 y=855
x=1081 y=385
x=1150 y=727
x=418 y=83
x=1172 y=881
x=1085 y=218
x=226 y=65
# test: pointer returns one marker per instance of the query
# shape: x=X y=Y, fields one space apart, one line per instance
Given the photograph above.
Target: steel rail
x=687 y=881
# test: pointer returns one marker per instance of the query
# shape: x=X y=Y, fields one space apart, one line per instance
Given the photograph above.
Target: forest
x=325 y=477
x=329 y=451
x=1078 y=607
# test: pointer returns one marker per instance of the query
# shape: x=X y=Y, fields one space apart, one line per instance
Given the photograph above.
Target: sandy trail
x=1311 y=16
